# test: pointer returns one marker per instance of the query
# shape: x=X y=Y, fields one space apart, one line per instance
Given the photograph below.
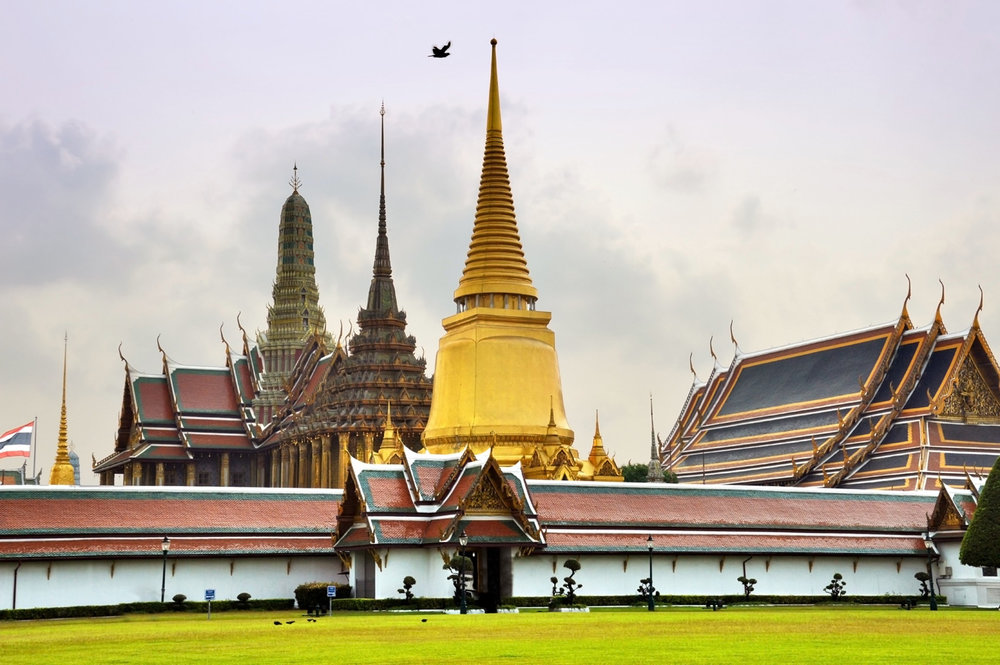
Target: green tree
x=981 y=544
x=636 y=473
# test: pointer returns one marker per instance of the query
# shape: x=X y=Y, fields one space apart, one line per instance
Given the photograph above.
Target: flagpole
x=33 y=428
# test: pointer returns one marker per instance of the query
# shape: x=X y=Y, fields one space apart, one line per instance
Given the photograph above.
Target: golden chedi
x=496 y=381
x=62 y=469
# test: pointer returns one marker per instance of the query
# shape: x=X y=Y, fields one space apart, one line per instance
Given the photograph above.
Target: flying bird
x=440 y=52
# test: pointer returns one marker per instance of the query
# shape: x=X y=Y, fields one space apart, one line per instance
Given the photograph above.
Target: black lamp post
x=163 y=584
x=649 y=546
x=929 y=544
x=463 y=540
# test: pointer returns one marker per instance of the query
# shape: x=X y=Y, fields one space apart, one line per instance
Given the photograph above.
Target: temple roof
x=164 y=417
x=854 y=409
x=584 y=516
x=431 y=499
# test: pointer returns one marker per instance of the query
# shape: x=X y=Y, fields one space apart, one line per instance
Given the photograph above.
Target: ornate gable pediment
x=945 y=516
x=971 y=397
x=491 y=494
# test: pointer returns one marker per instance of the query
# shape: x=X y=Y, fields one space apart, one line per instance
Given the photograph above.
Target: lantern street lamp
x=163 y=583
x=929 y=544
x=649 y=546
x=463 y=540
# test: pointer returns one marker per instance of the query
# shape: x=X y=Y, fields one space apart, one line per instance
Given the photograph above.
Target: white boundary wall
x=68 y=582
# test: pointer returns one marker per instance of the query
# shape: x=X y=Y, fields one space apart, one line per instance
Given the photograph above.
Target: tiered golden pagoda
x=62 y=470
x=496 y=381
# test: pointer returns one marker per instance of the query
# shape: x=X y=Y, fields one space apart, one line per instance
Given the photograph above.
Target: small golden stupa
x=62 y=470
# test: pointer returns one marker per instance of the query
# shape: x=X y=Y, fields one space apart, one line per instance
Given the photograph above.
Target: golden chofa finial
x=909 y=293
x=975 y=319
x=295 y=182
x=937 y=313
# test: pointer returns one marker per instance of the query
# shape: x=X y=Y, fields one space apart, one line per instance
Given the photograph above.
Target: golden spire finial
x=295 y=182
x=493 y=113
x=975 y=319
x=62 y=470
x=937 y=313
x=597 y=424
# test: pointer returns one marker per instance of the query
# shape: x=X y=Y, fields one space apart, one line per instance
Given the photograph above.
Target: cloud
x=55 y=183
x=679 y=166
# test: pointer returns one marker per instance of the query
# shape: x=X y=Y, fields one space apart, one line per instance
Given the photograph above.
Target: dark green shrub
x=836 y=586
x=748 y=584
x=179 y=599
x=461 y=569
x=924 y=579
x=313 y=594
x=981 y=544
x=408 y=583
x=570 y=585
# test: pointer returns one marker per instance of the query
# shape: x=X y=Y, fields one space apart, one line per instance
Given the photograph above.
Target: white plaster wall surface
x=426 y=566
x=107 y=582
x=702 y=574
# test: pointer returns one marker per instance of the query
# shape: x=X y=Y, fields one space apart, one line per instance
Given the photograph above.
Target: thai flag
x=17 y=441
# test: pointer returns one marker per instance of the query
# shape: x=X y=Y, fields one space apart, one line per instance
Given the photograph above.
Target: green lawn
x=786 y=635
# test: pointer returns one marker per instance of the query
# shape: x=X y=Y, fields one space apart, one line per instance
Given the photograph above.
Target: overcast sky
x=675 y=166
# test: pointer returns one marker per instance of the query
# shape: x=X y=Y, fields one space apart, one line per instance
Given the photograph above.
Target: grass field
x=852 y=635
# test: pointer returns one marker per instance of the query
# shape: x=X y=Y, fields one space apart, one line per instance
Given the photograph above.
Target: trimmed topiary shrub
x=836 y=587
x=311 y=595
x=408 y=583
x=981 y=544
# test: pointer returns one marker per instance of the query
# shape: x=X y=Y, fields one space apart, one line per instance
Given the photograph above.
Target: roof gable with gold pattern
x=383 y=506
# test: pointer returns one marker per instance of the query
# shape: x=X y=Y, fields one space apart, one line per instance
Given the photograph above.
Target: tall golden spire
x=496 y=382
x=62 y=470
x=496 y=271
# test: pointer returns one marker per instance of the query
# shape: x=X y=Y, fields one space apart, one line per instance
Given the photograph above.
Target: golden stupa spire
x=496 y=365
x=496 y=272
x=62 y=470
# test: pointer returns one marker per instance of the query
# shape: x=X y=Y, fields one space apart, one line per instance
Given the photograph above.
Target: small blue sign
x=209 y=594
x=331 y=592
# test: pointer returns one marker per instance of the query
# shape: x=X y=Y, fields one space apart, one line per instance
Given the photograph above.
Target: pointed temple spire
x=597 y=449
x=62 y=470
x=496 y=272
x=655 y=473
x=382 y=293
x=294 y=315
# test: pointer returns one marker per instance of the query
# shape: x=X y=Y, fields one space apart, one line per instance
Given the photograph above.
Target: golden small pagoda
x=62 y=469
x=496 y=382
